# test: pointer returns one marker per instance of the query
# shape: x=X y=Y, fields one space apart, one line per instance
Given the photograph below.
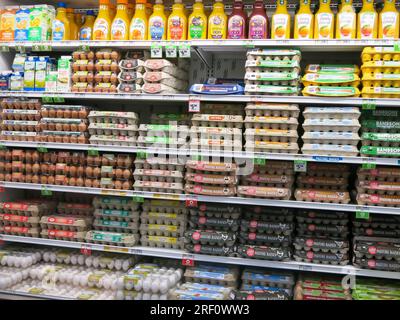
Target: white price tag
x=136 y=251
x=184 y=51
x=4 y=48
x=20 y=48
x=170 y=51
x=156 y=51
x=300 y=166
x=194 y=106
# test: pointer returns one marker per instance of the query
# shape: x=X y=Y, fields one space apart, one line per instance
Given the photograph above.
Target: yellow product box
x=7 y=23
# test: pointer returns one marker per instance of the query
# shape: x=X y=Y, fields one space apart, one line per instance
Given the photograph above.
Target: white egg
x=139 y=296
x=106 y=282
x=147 y=284
x=67 y=259
x=119 y=295
x=74 y=259
x=120 y=283
x=24 y=263
x=10 y=261
x=81 y=260
x=25 y=274
x=118 y=264
x=2 y=283
x=114 y=284
x=126 y=265
x=163 y=297
x=29 y=261
x=19 y=276
x=38 y=256
x=146 y=296
x=46 y=257
x=128 y=297
x=164 y=285
x=155 y=286
x=89 y=261
x=53 y=257
x=129 y=285
x=83 y=281
x=110 y=265
x=96 y=262
x=33 y=273
x=139 y=285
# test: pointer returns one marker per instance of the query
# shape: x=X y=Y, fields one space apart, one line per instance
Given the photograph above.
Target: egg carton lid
x=157 y=184
x=162 y=227
x=20 y=111
x=66 y=220
x=217 y=118
x=118 y=213
x=25 y=206
x=272 y=76
x=61 y=120
x=105 y=138
x=272 y=145
x=272 y=106
x=113 y=114
x=336 y=148
x=194 y=142
x=162 y=140
x=325 y=135
x=274 y=52
x=115 y=237
x=354 y=123
x=158 y=173
x=250 y=132
x=18 y=218
x=263 y=88
x=163 y=127
x=215 y=130
x=157 y=160
x=113 y=126
x=21 y=122
x=261 y=119
x=211 y=166
x=163 y=215
x=77 y=235
x=289 y=64
x=19 y=133
x=63 y=106
x=331 y=111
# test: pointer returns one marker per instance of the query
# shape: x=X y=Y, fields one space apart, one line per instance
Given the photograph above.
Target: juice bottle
x=237 y=22
x=102 y=24
x=131 y=10
x=61 y=25
x=258 y=22
x=120 y=24
x=86 y=31
x=197 y=22
x=177 y=22
x=73 y=27
x=367 y=24
x=217 y=21
x=304 y=21
x=389 y=21
x=346 y=21
x=78 y=20
x=158 y=22
x=324 y=26
x=149 y=9
x=113 y=10
x=138 y=28
x=280 y=22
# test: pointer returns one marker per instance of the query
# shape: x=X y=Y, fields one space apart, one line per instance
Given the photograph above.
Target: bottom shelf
x=179 y=254
x=12 y=295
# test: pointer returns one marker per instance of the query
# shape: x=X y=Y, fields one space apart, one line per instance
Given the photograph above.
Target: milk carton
x=64 y=74
x=29 y=73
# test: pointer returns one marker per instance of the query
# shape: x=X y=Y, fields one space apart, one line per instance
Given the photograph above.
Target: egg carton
x=266 y=227
x=258 y=89
x=20 y=125
x=381 y=126
x=272 y=78
x=279 y=181
x=320 y=217
x=376 y=264
x=203 y=222
x=64 y=222
x=262 y=295
x=271 y=147
x=330 y=91
x=215 y=133
x=264 y=192
x=261 y=277
x=381 y=80
x=162 y=142
x=380 y=67
x=215 y=213
x=380 y=92
x=159 y=163
x=222 y=108
x=115 y=203
x=134 y=88
x=381 y=114
x=331 y=125
x=158 y=175
x=321 y=257
x=323 y=244
x=165 y=66
x=158 y=88
x=377 y=248
x=111 y=225
x=322 y=230
x=19 y=221
x=167 y=118
x=112 y=238
x=17 y=114
x=164 y=206
x=20 y=231
x=162 y=230
x=155 y=186
x=312 y=294
x=111 y=129
x=210 y=190
x=166 y=79
x=372 y=151
x=129 y=64
x=323 y=139
x=274 y=54
x=210 y=237
x=252 y=136
x=27 y=208
x=210 y=167
x=163 y=218
x=225 y=144
x=378 y=200
x=264 y=252
x=272 y=65
x=109 y=183
x=391 y=140
x=211 y=179
x=325 y=183
x=193 y=291
x=161 y=242
x=324 y=196
x=211 y=250
x=343 y=113
x=264 y=239
x=331 y=79
x=21 y=103
x=113 y=117
x=273 y=123
x=315 y=169
x=155 y=130
x=19 y=135
x=268 y=216
x=212 y=274
x=379 y=53
x=128 y=76
x=380 y=173
x=378 y=187
x=215 y=120
x=63 y=136
x=377 y=221
x=66 y=235
x=272 y=110
x=376 y=232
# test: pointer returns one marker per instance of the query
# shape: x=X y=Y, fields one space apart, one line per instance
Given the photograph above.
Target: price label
x=135 y=251
x=300 y=166
x=248 y=44
x=46 y=192
x=47 y=99
x=259 y=162
x=84 y=47
x=36 y=47
x=138 y=199
x=184 y=51
x=141 y=154
x=170 y=51
x=188 y=260
x=86 y=250
x=369 y=166
x=362 y=215
x=42 y=149
x=93 y=152
x=116 y=249
x=396 y=46
x=20 y=48
x=58 y=100
x=191 y=203
x=46 y=47
x=156 y=50
x=194 y=106
x=368 y=104
x=305 y=268
x=2 y=189
x=4 y=48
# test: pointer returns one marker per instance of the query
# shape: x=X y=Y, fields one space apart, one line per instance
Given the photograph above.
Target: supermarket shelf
x=206 y=98
x=204 y=153
x=139 y=195
x=178 y=254
x=13 y=295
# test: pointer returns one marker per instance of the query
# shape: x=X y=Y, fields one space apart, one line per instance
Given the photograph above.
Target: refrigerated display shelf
x=181 y=255
x=13 y=295
x=192 y=200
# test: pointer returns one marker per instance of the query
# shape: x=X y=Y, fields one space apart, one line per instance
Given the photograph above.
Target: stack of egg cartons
x=322 y=237
x=376 y=289
x=19 y=257
x=260 y=284
x=131 y=72
x=147 y=281
x=323 y=182
x=314 y=287
x=273 y=72
x=380 y=133
x=159 y=174
x=113 y=128
x=218 y=128
x=330 y=80
x=272 y=180
x=165 y=77
x=211 y=178
x=380 y=72
x=331 y=131
x=271 y=127
x=163 y=223
x=116 y=222
x=266 y=233
x=379 y=186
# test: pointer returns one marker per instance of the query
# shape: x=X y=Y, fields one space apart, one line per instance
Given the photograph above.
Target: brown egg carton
x=109 y=183
x=83 y=55
x=194 y=166
x=265 y=239
x=380 y=173
x=83 y=77
x=325 y=183
x=63 y=137
x=19 y=220
x=20 y=103
x=324 y=196
x=378 y=187
x=105 y=76
x=211 y=179
x=102 y=65
x=272 y=123
x=272 y=147
x=64 y=111
x=210 y=190
x=214 y=120
x=20 y=114
x=20 y=125
x=163 y=218
x=215 y=133
x=117 y=215
x=158 y=175
x=264 y=252
x=63 y=124
x=20 y=231
x=155 y=186
x=112 y=238
x=316 y=217
x=267 y=227
x=115 y=203
x=19 y=136
x=27 y=208
x=161 y=242
x=118 y=161
x=105 y=224
x=273 y=135
x=79 y=209
x=216 y=144
x=322 y=257
x=337 y=172
x=213 y=223
x=264 y=192
x=63 y=235
x=215 y=250
x=322 y=230
x=376 y=264
x=272 y=110
x=273 y=180
x=113 y=117
x=378 y=200
x=323 y=244
x=162 y=230
x=65 y=222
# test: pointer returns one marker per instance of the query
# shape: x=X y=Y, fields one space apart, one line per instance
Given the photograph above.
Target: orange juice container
x=7 y=23
x=139 y=23
x=86 y=31
x=73 y=27
x=102 y=24
x=324 y=21
x=367 y=21
x=346 y=21
x=389 y=21
x=158 y=22
x=177 y=22
x=120 y=24
x=280 y=25
x=21 y=32
x=61 y=24
x=304 y=21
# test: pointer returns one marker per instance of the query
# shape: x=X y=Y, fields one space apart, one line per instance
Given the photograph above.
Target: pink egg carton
x=212 y=179
x=378 y=200
x=210 y=190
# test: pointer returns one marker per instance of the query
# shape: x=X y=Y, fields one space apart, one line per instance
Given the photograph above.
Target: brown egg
x=28 y=156
x=118 y=173
x=81 y=139
x=43 y=179
x=72 y=127
x=75 y=78
x=90 y=55
x=35 y=168
x=2 y=166
x=74 y=89
x=75 y=67
x=106 y=78
x=96 y=183
x=90 y=66
x=114 y=67
x=90 y=160
x=60 y=113
x=90 y=77
x=106 y=55
x=88 y=183
x=79 y=182
x=44 y=168
x=128 y=162
x=83 y=56
x=35 y=179
x=72 y=171
x=113 y=88
x=74 y=114
x=53 y=157
x=52 y=113
x=98 y=78
x=2 y=176
x=83 y=78
x=7 y=177
x=28 y=168
x=83 y=114
x=65 y=139
x=120 y=162
x=96 y=172
x=89 y=172
x=106 y=67
x=127 y=174
x=72 y=181
x=97 y=161
x=75 y=55
x=113 y=78
x=126 y=185
x=8 y=155
x=114 y=55
x=82 y=67
x=50 y=180
x=97 y=89
x=51 y=139
x=99 y=55
x=8 y=167
x=2 y=154
x=35 y=156
x=117 y=185
x=66 y=127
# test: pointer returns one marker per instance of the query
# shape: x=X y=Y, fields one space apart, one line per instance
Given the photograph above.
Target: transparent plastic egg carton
x=277 y=181
x=19 y=221
x=164 y=230
x=379 y=54
x=160 y=130
x=274 y=167
x=330 y=91
x=274 y=54
x=64 y=222
x=16 y=114
x=192 y=291
x=271 y=147
x=325 y=196
x=339 y=138
x=378 y=187
x=215 y=133
x=381 y=139
x=334 y=125
x=274 y=123
x=272 y=110
x=273 y=135
x=211 y=179
x=215 y=120
x=380 y=173
x=155 y=186
x=350 y=113
x=213 y=223
x=210 y=190
x=272 y=78
x=194 y=166
x=264 y=252
x=115 y=203
x=112 y=238
x=63 y=234
x=323 y=183
x=164 y=206
x=162 y=142
x=260 y=277
x=163 y=218
x=158 y=175
x=214 y=275
x=261 y=89
x=216 y=144
x=20 y=125
x=161 y=242
x=272 y=66
x=21 y=103
x=264 y=192
x=378 y=200
x=19 y=135
x=330 y=150
x=159 y=163
x=111 y=129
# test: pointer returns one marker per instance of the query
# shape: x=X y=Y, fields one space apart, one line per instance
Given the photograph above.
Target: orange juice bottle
x=74 y=30
x=113 y=10
x=131 y=10
x=138 y=27
x=78 y=20
x=280 y=27
x=304 y=21
x=389 y=21
x=177 y=22
x=367 y=22
x=60 y=26
x=324 y=26
x=346 y=21
x=120 y=24
x=86 y=31
x=102 y=24
x=158 y=22
x=217 y=21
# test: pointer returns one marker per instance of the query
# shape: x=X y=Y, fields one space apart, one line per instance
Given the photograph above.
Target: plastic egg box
x=64 y=111
x=260 y=89
x=338 y=138
x=159 y=163
x=210 y=190
x=331 y=125
x=20 y=231
x=378 y=200
x=274 y=54
x=113 y=160
x=214 y=120
x=331 y=79
x=63 y=136
x=163 y=218
x=16 y=114
x=273 y=180
x=192 y=291
x=264 y=192
x=62 y=124
x=324 y=196
x=115 y=203
x=19 y=136
x=65 y=222
x=112 y=238
x=9 y=277
x=227 y=276
x=117 y=215
x=156 y=130
x=379 y=54
x=211 y=179
x=272 y=110
x=111 y=225
x=225 y=144
x=161 y=242
x=20 y=103
x=272 y=78
x=260 y=277
x=162 y=230
x=381 y=139
x=156 y=186
x=18 y=258
x=158 y=175
x=330 y=149
x=330 y=91
x=273 y=135
x=19 y=220
x=113 y=117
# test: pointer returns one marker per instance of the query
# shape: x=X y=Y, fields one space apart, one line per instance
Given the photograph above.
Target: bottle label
x=157 y=28
x=304 y=26
x=236 y=27
x=175 y=28
x=258 y=27
x=280 y=24
x=217 y=27
x=325 y=23
x=85 y=33
x=58 y=30
x=389 y=21
x=138 y=29
x=101 y=29
x=196 y=28
x=347 y=24
x=119 y=30
x=367 y=25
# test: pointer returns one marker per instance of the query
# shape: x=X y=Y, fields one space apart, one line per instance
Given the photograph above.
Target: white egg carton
x=156 y=186
x=112 y=238
x=330 y=150
x=59 y=234
x=321 y=137
x=210 y=190
x=272 y=110
x=335 y=125
x=160 y=163
x=19 y=221
x=9 y=277
x=158 y=175
x=272 y=147
x=18 y=259
x=115 y=203
x=65 y=222
x=193 y=166
x=20 y=231
x=277 y=123
x=151 y=130
x=272 y=180
x=274 y=135
x=115 y=225
x=351 y=113
x=113 y=117
x=215 y=133
x=165 y=66
x=216 y=144
x=111 y=129
x=264 y=192
x=163 y=218
x=165 y=230
x=162 y=142
x=158 y=88
x=161 y=242
x=211 y=179
x=117 y=215
x=216 y=120
x=166 y=79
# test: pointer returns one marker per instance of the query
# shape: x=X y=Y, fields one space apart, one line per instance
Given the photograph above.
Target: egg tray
x=322 y=245
x=263 y=239
x=112 y=238
x=219 y=121
x=380 y=92
x=381 y=80
x=380 y=114
x=128 y=76
x=68 y=208
x=274 y=54
x=376 y=232
x=171 y=219
x=377 y=248
x=174 y=231
x=376 y=264
x=210 y=190
x=155 y=186
x=27 y=208
x=112 y=140
x=166 y=79
x=378 y=187
x=268 y=216
x=20 y=231
x=322 y=183
x=165 y=66
x=377 y=221
x=216 y=144
x=111 y=225
x=321 y=257
x=210 y=223
x=380 y=173
x=260 y=277
x=67 y=223
x=211 y=250
x=194 y=166
x=158 y=175
x=167 y=208
x=115 y=203
x=331 y=138
x=19 y=136
x=271 y=147
x=20 y=103
x=158 y=88
x=161 y=242
x=211 y=179
x=159 y=163
x=272 y=110
x=215 y=133
x=222 y=108
x=113 y=160
x=166 y=118
x=391 y=140
x=318 y=295
x=264 y=192
x=264 y=252
x=331 y=79
x=262 y=65
x=17 y=114
x=272 y=78
x=164 y=130
x=162 y=142
x=111 y=129
x=62 y=136
x=210 y=237
x=332 y=68
x=258 y=89
x=87 y=77
x=381 y=126
x=324 y=196
x=380 y=66
x=263 y=294
x=62 y=124
x=330 y=91
x=336 y=173
x=261 y=178
x=273 y=123
x=117 y=215
x=337 y=113
x=252 y=136
x=19 y=220
x=322 y=230
x=379 y=53
x=20 y=125
x=331 y=125
x=129 y=88
x=267 y=227
x=372 y=151
x=66 y=235
x=113 y=117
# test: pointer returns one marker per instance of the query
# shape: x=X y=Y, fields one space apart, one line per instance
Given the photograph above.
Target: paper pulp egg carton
x=163 y=218
x=210 y=190
x=278 y=181
x=112 y=140
x=162 y=142
x=160 y=163
x=194 y=166
x=60 y=234
x=166 y=130
x=222 y=108
x=216 y=144
x=323 y=183
x=377 y=221
x=285 y=228
x=20 y=231
x=216 y=210
x=322 y=217
x=115 y=203
x=261 y=137
x=389 y=188
x=330 y=91
x=372 y=151
x=334 y=79
x=321 y=257
x=111 y=129
x=322 y=230
x=261 y=89
x=158 y=175
x=274 y=167
x=379 y=54
x=105 y=224
x=264 y=192
x=256 y=238
x=165 y=79
x=317 y=169
x=129 y=88
x=174 y=231
x=335 y=125
x=113 y=117
x=227 y=276
x=387 y=140
x=215 y=250
x=325 y=196
x=219 y=238
x=112 y=238
x=272 y=110
x=19 y=220
x=167 y=118
x=381 y=126
x=164 y=206
x=156 y=186
x=277 y=123
x=264 y=252
x=211 y=179
x=211 y=223
x=372 y=68
x=378 y=200
x=277 y=78
x=28 y=208
x=272 y=65
x=271 y=146
x=377 y=264
x=269 y=214
x=65 y=222
x=215 y=133
x=274 y=54
x=161 y=242
x=380 y=173
x=351 y=113
x=321 y=244
x=200 y=291
x=216 y=120
x=380 y=92
x=80 y=209
x=115 y=215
